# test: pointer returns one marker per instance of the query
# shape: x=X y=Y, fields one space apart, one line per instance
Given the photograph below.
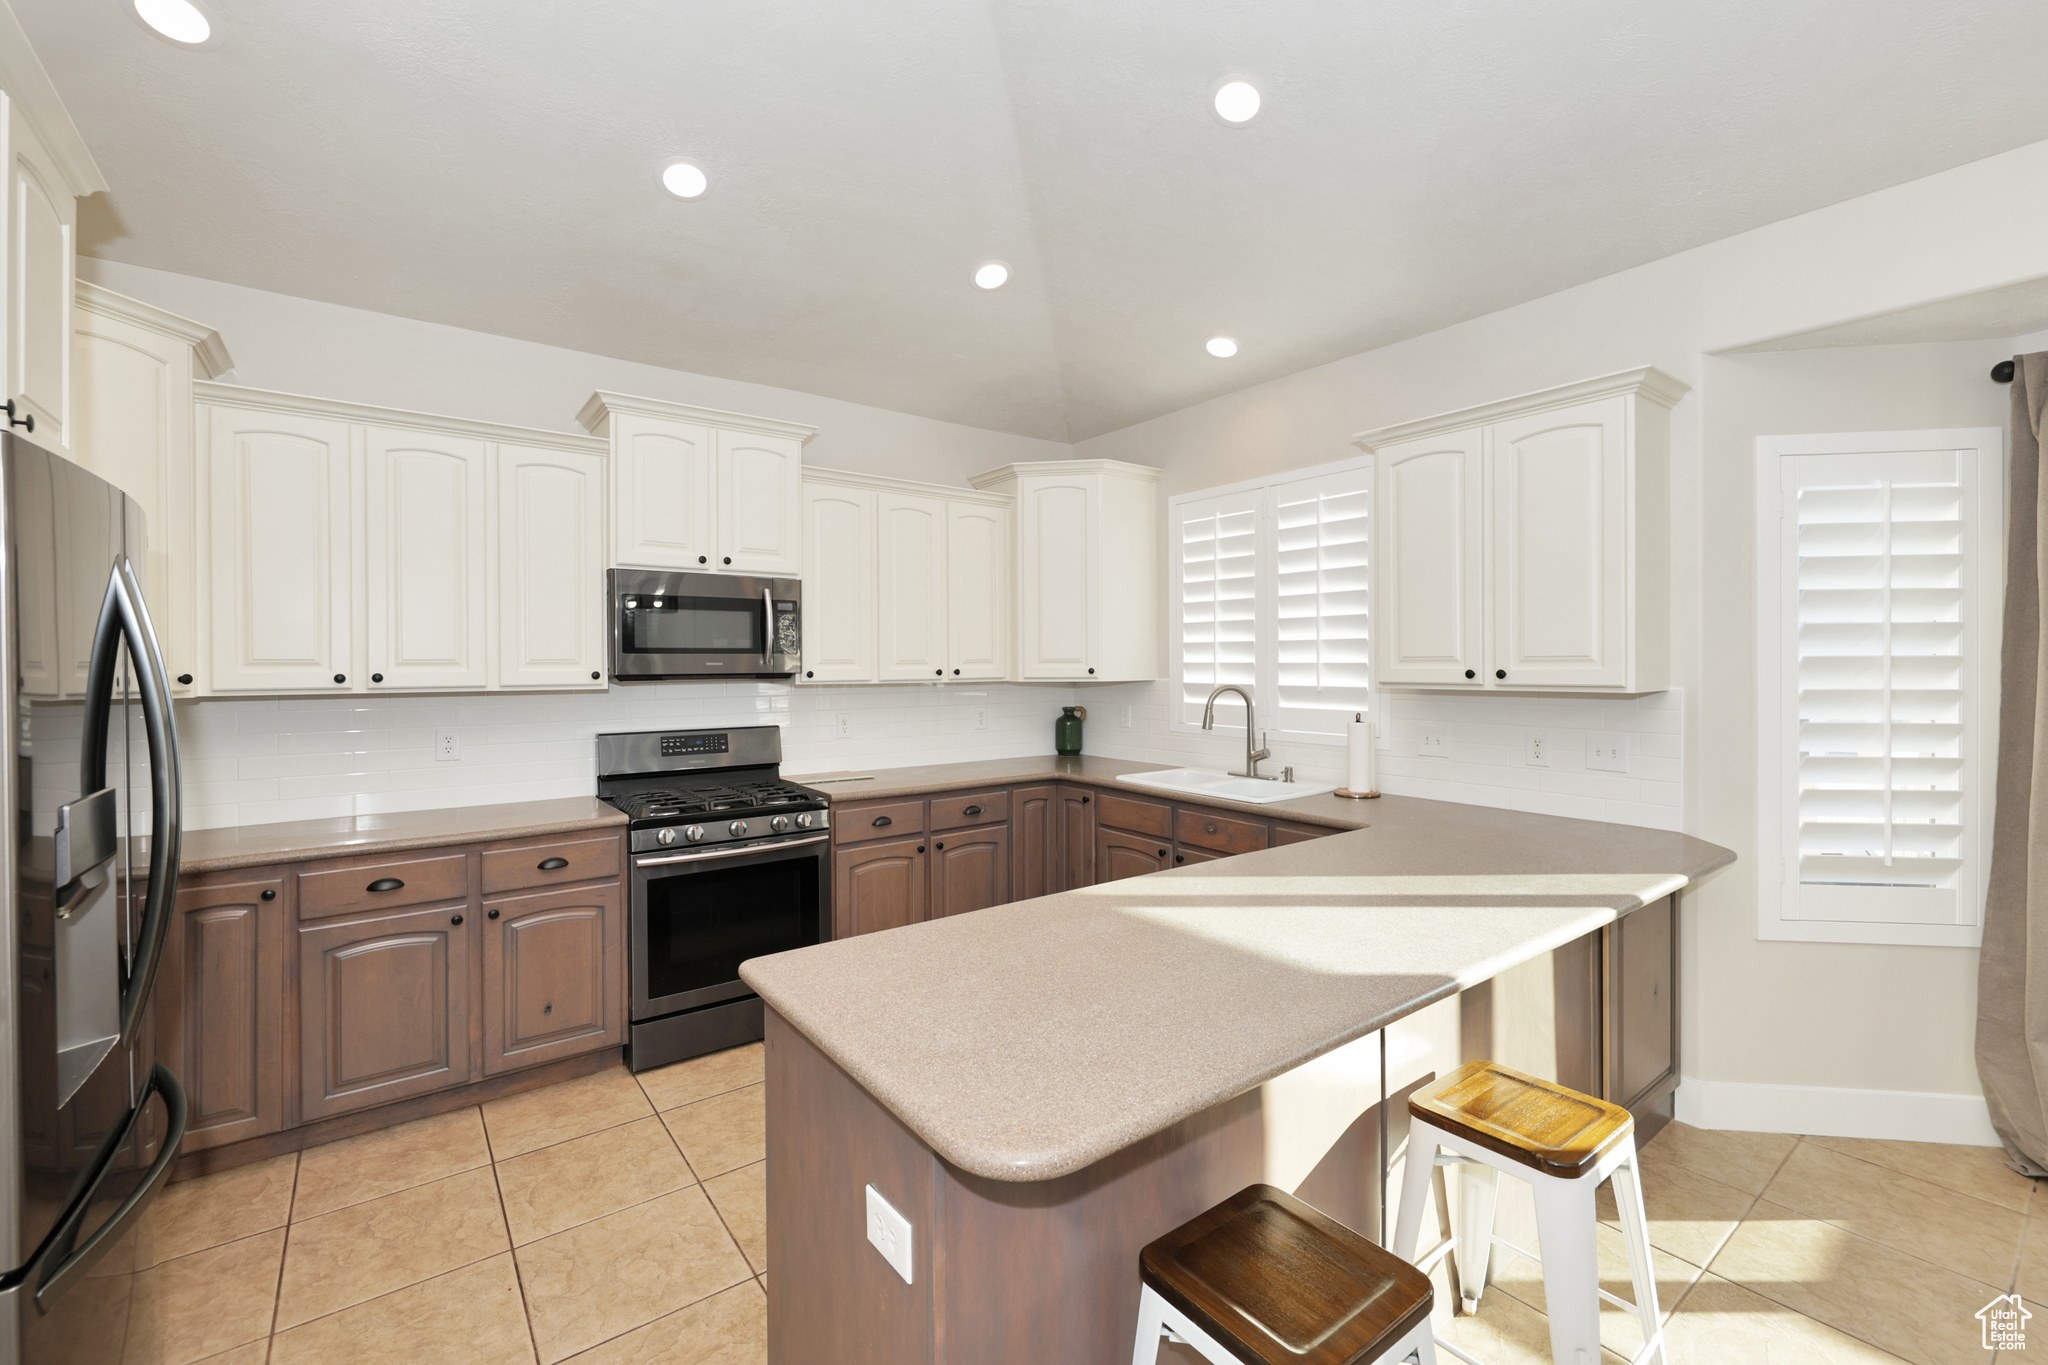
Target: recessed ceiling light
x=1237 y=102
x=992 y=275
x=178 y=20
x=1221 y=347
x=684 y=179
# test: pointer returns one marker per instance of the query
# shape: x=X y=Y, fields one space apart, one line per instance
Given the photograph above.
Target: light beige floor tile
x=255 y=1353
x=729 y=1328
x=723 y=1133
x=556 y=1113
x=471 y=1315
x=385 y=1162
x=1978 y=1171
x=584 y=1178
x=1690 y=1216
x=1745 y=1160
x=1909 y=1307
x=193 y=1215
x=1619 y=1330
x=202 y=1304
x=364 y=1250
x=607 y=1277
x=1719 y=1321
x=702 y=1077
x=1505 y=1331
x=1931 y=1222
x=2032 y=1279
x=742 y=1200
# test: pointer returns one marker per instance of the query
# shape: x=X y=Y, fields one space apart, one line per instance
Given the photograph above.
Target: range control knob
x=737 y=828
x=664 y=836
x=803 y=819
x=694 y=833
x=779 y=823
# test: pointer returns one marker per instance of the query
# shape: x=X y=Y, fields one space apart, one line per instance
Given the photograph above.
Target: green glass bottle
x=1066 y=731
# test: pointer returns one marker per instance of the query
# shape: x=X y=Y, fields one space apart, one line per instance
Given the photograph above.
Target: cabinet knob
x=552 y=864
x=455 y=919
x=956 y=672
x=920 y=848
x=269 y=894
x=184 y=680
x=809 y=674
x=940 y=846
x=548 y=1008
x=1086 y=799
x=488 y=914
x=1209 y=828
x=1179 y=858
x=27 y=423
x=726 y=560
x=1091 y=671
x=376 y=677
x=1470 y=674
x=595 y=675
x=938 y=673
x=702 y=560
x=341 y=677
x=386 y=884
x=1162 y=853
x=1500 y=672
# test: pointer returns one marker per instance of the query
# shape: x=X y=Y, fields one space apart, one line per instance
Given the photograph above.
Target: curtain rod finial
x=2002 y=372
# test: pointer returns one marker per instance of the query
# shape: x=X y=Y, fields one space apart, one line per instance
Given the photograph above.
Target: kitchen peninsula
x=1041 y=1087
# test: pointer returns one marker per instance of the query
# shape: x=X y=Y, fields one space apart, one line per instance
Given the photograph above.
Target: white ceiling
x=492 y=164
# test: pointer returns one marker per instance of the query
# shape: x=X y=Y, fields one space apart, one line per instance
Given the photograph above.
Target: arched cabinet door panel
x=383 y=1009
x=547 y=992
x=1428 y=499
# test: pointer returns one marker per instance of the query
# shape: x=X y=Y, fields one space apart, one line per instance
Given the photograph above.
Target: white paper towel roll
x=1362 y=770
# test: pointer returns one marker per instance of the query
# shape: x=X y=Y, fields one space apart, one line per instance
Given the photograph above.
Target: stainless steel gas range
x=728 y=862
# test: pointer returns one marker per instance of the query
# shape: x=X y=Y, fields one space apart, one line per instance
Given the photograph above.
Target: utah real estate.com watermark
x=2005 y=1323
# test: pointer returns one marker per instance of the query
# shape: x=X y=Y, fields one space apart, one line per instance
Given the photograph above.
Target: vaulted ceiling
x=492 y=164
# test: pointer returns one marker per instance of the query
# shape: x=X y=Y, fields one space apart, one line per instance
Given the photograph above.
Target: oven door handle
x=666 y=859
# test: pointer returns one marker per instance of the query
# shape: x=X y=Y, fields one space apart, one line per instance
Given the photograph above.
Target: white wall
x=1882 y=1019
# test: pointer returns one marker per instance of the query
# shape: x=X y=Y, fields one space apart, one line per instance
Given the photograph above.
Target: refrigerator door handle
x=125 y=617
x=73 y=1262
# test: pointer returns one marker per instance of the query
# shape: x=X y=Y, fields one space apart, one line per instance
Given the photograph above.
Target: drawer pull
x=553 y=864
x=881 y=820
x=386 y=884
x=972 y=810
x=1209 y=828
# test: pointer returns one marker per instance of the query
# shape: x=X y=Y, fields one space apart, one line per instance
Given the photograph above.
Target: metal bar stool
x=1264 y=1279
x=1563 y=1144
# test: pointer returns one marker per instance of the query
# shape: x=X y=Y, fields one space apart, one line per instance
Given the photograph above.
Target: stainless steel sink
x=1223 y=787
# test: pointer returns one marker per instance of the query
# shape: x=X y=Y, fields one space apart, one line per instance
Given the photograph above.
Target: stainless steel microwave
x=682 y=626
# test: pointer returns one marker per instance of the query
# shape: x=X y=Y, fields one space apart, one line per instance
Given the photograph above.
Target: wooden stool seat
x=1278 y=1283
x=1535 y=1122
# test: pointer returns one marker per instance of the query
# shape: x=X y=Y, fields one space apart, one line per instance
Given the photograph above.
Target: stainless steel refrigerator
x=90 y=1117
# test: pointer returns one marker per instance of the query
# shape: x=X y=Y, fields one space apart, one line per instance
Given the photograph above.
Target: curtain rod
x=2001 y=373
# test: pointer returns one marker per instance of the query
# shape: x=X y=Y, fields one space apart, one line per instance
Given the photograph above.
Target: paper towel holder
x=1350 y=795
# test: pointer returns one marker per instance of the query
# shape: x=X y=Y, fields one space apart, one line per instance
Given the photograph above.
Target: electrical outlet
x=1607 y=750
x=842 y=725
x=889 y=1233
x=981 y=718
x=1124 y=717
x=1433 y=741
x=1536 y=748
x=446 y=747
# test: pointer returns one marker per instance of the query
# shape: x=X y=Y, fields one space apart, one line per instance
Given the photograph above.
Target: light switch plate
x=889 y=1233
x=1536 y=746
x=1433 y=741
x=1607 y=750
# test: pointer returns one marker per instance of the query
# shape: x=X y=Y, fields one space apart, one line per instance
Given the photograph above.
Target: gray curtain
x=2012 y=973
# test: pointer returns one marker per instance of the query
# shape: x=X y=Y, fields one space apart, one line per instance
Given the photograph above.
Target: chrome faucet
x=1251 y=755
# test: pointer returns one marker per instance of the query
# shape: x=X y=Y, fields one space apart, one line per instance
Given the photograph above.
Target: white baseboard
x=1822 y=1111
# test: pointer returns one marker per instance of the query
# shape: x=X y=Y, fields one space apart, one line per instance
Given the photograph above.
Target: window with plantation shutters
x=1879 y=578
x=1272 y=584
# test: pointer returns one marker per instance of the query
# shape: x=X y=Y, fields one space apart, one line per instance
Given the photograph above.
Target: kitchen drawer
x=1188 y=857
x=544 y=864
x=877 y=820
x=971 y=808
x=1217 y=833
x=383 y=885
x=1140 y=817
x=1284 y=833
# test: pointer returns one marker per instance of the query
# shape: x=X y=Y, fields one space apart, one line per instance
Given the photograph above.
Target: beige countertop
x=1034 y=1039
x=296 y=841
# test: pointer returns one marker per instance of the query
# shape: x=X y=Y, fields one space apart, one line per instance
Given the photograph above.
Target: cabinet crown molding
x=1647 y=380
x=848 y=478
x=266 y=400
x=988 y=478
x=595 y=416
x=210 y=353
x=24 y=80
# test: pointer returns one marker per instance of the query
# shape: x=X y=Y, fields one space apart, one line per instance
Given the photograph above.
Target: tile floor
x=615 y=1221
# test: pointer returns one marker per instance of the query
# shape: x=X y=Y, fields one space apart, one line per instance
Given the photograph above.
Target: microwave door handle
x=124 y=616
x=767 y=625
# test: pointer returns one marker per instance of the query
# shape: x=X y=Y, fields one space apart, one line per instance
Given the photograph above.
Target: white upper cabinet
x=132 y=424
x=428 y=568
x=1087 y=568
x=694 y=488
x=550 y=579
x=977 y=590
x=839 y=620
x=1522 y=545
x=282 y=552
x=910 y=537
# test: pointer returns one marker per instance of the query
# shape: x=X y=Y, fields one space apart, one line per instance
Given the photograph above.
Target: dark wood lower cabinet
x=1188 y=857
x=1035 y=842
x=970 y=870
x=220 y=1025
x=877 y=886
x=1077 y=839
x=1119 y=855
x=383 y=1008
x=1641 y=1025
x=551 y=981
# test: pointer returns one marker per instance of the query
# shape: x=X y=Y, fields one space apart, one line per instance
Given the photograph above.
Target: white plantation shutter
x=1322 y=602
x=1886 y=575
x=1216 y=542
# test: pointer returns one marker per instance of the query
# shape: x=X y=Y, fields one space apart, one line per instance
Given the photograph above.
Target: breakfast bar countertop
x=1033 y=1039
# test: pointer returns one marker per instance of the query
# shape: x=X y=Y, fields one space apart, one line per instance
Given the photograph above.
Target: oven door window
x=702 y=924
x=695 y=625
